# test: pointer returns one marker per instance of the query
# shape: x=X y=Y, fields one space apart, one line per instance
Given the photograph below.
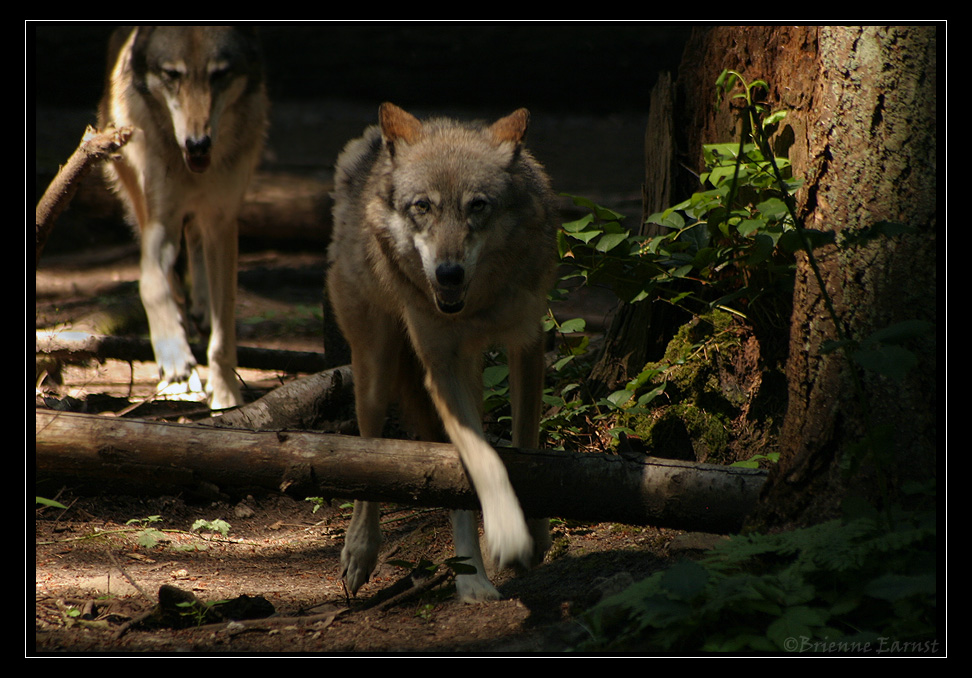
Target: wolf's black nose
x=450 y=274
x=199 y=147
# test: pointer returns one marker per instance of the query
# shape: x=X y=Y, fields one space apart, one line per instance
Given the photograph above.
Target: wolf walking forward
x=444 y=244
x=196 y=98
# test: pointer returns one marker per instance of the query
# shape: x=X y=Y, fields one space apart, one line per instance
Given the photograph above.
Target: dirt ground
x=89 y=562
x=95 y=578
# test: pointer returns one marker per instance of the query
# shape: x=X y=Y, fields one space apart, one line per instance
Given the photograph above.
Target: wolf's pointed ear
x=511 y=128
x=397 y=124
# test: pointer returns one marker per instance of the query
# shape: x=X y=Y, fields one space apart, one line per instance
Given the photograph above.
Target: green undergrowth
x=862 y=584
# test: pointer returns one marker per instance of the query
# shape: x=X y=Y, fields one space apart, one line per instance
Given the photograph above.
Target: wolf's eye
x=477 y=205
x=171 y=74
x=421 y=206
x=219 y=74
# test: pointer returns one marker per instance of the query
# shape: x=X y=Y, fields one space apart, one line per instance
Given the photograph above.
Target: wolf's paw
x=355 y=570
x=510 y=544
x=540 y=533
x=187 y=388
x=358 y=560
x=475 y=588
x=223 y=393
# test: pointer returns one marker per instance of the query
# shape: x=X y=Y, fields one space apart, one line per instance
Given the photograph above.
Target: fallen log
x=100 y=453
x=307 y=403
x=79 y=346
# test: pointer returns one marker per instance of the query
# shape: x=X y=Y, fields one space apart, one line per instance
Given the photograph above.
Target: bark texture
x=861 y=129
x=146 y=456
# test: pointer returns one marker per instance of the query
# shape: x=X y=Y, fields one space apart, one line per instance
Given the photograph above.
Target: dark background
x=586 y=85
x=584 y=67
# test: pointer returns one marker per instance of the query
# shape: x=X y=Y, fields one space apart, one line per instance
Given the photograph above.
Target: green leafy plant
x=49 y=502
x=199 y=612
x=754 y=461
x=865 y=583
x=317 y=503
x=819 y=589
x=727 y=246
x=218 y=526
x=148 y=536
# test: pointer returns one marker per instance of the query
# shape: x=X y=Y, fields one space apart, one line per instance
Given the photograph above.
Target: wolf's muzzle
x=449 y=289
x=197 y=153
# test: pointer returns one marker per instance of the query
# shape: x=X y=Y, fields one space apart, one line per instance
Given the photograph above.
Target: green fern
x=851 y=584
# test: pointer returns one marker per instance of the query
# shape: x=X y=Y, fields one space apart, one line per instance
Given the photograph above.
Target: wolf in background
x=443 y=245
x=197 y=100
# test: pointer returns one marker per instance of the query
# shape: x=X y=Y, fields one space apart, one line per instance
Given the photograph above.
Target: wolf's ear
x=513 y=127
x=397 y=124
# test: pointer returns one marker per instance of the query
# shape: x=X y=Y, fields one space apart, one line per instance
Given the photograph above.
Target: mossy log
x=100 y=453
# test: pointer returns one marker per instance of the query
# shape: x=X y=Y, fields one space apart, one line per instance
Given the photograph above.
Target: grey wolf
x=444 y=244
x=197 y=100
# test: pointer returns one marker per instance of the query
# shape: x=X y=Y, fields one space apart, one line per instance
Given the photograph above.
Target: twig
x=125 y=574
x=95 y=146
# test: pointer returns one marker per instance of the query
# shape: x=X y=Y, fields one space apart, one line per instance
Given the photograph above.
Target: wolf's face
x=196 y=73
x=450 y=189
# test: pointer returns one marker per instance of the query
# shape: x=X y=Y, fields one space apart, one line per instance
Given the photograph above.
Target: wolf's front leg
x=221 y=253
x=360 y=553
x=177 y=366
x=455 y=391
x=472 y=588
x=526 y=383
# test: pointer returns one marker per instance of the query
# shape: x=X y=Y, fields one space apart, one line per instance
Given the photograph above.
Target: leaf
x=797 y=622
x=620 y=398
x=495 y=375
x=573 y=325
x=898 y=586
x=669 y=218
x=900 y=332
x=697 y=235
x=773 y=118
x=587 y=236
x=791 y=240
x=150 y=537
x=48 y=502
x=219 y=525
x=458 y=565
x=578 y=224
x=609 y=241
x=892 y=361
x=682 y=271
x=773 y=209
x=685 y=580
x=651 y=395
x=748 y=226
x=602 y=213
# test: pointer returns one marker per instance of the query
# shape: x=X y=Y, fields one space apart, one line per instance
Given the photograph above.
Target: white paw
x=190 y=388
x=223 y=395
x=475 y=588
x=510 y=544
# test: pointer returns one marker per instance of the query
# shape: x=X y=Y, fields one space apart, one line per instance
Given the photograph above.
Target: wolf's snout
x=450 y=275
x=197 y=153
x=449 y=290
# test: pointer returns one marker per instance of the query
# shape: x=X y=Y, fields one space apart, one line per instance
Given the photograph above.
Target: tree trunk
x=140 y=456
x=638 y=332
x=860 y=128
